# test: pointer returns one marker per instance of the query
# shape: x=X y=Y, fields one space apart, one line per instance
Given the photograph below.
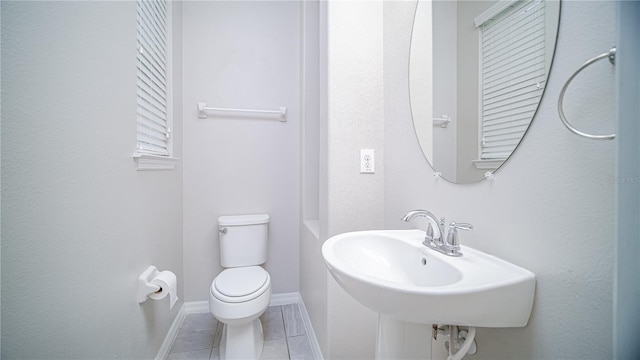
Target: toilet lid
x=241 y=281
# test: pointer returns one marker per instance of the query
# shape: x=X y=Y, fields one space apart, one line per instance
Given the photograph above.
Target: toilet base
x=242 y=341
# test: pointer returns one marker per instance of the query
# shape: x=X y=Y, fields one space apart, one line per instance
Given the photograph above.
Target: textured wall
x=241 y=55
x=355 y=120
x=79 y=223
x=550 y=209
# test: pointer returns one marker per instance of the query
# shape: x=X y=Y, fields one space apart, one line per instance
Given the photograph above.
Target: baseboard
x=202 y=307
x=171 y=335
x=313 y=340
x=285 y=299
x=196 y=307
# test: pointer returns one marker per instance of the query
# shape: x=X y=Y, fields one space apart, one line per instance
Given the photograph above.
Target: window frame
x=144 y=158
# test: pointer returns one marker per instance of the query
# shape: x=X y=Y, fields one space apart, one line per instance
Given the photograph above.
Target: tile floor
x=284 y=336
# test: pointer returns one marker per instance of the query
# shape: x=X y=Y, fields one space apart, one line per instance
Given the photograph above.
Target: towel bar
x=281 y=114
x=611 y=55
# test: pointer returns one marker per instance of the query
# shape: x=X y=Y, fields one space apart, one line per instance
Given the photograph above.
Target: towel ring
x=611 y=55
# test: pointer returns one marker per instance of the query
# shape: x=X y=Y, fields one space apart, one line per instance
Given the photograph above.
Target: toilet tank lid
x=231 y=220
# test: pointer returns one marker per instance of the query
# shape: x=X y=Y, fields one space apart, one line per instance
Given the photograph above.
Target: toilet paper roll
x=168 y=286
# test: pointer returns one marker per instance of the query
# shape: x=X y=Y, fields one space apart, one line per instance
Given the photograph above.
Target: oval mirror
x=477 y=73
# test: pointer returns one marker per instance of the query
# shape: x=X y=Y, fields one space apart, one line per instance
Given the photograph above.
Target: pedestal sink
x=393 y=274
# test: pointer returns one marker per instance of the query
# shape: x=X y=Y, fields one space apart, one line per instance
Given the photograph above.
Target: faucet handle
x=460 y=226
x=429 y=236
x=429 y=232
x=452 y=236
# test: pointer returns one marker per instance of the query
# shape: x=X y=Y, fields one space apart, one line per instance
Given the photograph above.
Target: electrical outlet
x=367 y=161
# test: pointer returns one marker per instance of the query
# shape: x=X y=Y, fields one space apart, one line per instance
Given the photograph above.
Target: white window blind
x=513 y=75
x=152 y=84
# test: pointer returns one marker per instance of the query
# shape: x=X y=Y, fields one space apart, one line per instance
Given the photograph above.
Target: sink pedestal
x=402 y=340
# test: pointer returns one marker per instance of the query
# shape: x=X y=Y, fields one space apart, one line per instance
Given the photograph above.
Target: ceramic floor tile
x=272 y=323
x=275 y=350
x=204 y=354
x=189 y=340
x=200 y=322
x=293 y=324
x=284 y=333
x=299 y=348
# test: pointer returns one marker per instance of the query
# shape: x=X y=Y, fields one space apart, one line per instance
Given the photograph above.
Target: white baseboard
x=202 y=307
x=171 y=335
x=313 y=340
x=196 y=307
x=285 y=299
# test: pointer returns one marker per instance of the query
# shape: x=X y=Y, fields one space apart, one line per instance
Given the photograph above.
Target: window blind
x=513 y=75
x=152 y=115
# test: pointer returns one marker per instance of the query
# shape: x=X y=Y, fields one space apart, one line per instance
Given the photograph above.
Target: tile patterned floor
x=285 y=336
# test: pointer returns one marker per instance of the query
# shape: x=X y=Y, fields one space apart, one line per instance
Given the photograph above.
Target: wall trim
x=313 y=340
x=285 y=299
x=202 y=307
x=196 y=307
x=171 y=334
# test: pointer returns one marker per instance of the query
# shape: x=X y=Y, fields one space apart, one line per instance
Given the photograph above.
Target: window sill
x=487 y=164
x=146 y=162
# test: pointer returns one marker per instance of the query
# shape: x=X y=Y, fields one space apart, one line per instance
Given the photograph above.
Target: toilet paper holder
x=145 y=287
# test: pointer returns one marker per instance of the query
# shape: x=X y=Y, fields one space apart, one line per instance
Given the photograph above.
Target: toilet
x=241 y=292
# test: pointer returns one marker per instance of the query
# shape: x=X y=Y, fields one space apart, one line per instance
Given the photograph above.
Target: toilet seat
x=242 y=284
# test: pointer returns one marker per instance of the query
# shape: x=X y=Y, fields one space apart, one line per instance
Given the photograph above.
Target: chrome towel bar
x=611 y=55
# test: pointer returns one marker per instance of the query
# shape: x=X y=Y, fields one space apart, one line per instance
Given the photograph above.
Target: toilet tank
x=243 y=240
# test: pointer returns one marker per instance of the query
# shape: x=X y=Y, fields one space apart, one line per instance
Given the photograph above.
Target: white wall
x=79 y=223
x=313 y=276
x=549 y=210
x=350 y=80
x=241 y=55
x=355 y=120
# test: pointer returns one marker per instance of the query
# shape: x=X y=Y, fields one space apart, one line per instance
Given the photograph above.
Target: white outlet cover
x=367 y=161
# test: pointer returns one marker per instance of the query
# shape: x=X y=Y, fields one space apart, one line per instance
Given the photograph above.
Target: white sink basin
x=393 y=274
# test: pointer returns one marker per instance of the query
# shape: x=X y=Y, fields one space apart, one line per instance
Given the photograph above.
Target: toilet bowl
x=238 y=297
x=241 y=292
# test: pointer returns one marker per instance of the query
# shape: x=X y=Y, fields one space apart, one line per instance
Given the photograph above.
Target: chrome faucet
x=434 y=237
x=431 y=238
